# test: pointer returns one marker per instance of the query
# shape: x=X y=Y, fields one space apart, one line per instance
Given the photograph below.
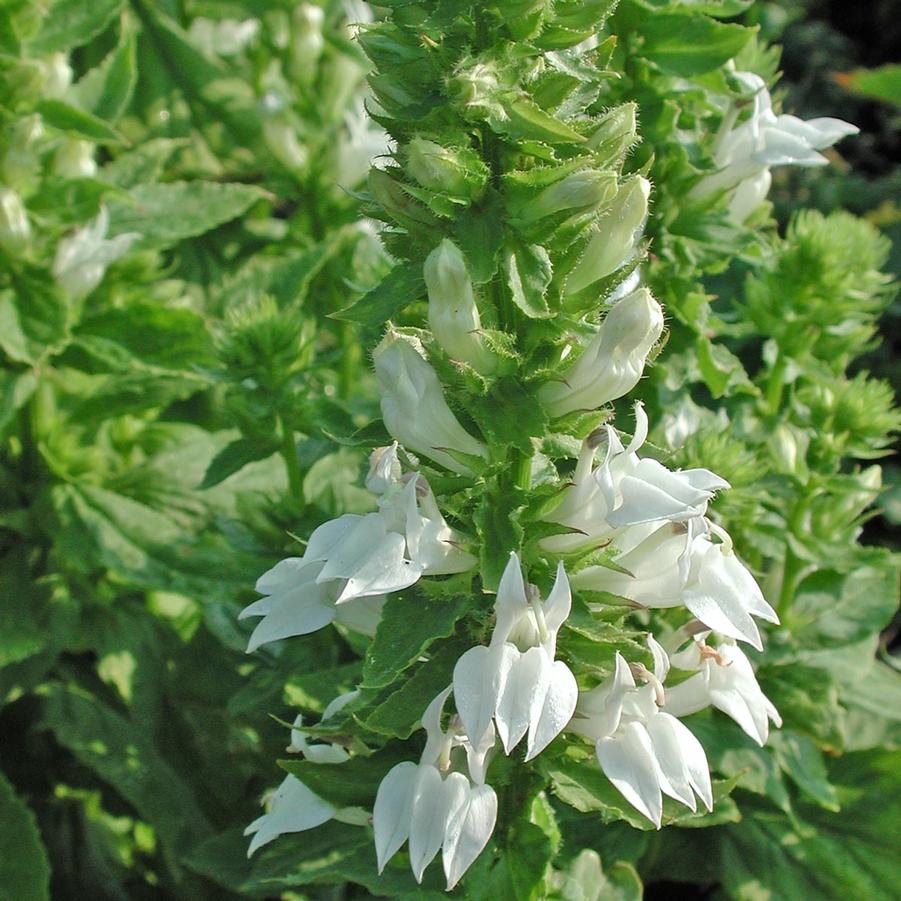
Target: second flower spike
x=515 y=680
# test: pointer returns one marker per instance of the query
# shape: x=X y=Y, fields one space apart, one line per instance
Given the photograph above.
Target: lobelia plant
x=515 y=203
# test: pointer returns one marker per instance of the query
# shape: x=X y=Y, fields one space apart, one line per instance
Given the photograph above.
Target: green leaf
x=833 y=609
x=803 y=762
x=497 y=521
x=585 y=880
x=721 y=370
x=106 y=90
x=24 y=867
x=690 y=44
x=77 y=122
x=117 y=751
x=882 y=83
x=517 y=869
x=527 y=121
x=398 y=715
x=34 y=321
x=509 y=415
x=235 y=456
x=528 y=270
x=410 y=622
x=71 y=23
x=402 y=286
x=164 y=214
x=16 y=389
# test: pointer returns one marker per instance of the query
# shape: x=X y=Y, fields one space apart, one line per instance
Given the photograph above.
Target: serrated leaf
x=497 y=520
x=164 y=214
x=24 y=867
x=71 y=23
x=106 y=90
x=34 y=321
x=529 y=272
x=235 y=456
x=78 y=122
x=402 y=286
x=690 y=44
x=410 y=622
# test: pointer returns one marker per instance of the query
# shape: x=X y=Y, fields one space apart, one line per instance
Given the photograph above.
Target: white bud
x=384 y=469
x=57 y=75
x=612 y=363
x=579 y=191
x=74 y=158
x=453 y=314
x=307 y=41
x=413 y=404
x=14 y=228
x=616 y=236
x=281 y=139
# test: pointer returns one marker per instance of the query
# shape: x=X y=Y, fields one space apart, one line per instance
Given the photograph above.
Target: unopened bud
x=578 y=192
x=413 y=405
x=281 y=139
x=453 y=314
x=14 y=228
x=307 y=41
x=390 y=195
x=616 y=237
x=74 y=158
x=459 y=173
x=57 y=75
x=616 y=133
x=476 y=88
x=613 y=362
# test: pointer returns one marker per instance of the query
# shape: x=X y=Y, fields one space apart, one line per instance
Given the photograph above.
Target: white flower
x=626 y=490
x=613 y=361
x=515 y=680
x=359 y=558
x=679 y=564
x=725 y=680
x=414 y=408
x=745 y=152
x=324 y=752
x=57 y=75
x=82 y=259
x=224 y=37
x=644 y=751
x=307 y=40
x=363 y=143
x=435 y=808
x=453 y=314
x=615 y=237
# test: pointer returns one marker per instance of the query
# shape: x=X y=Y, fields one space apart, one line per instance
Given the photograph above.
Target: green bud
x=523 y=18
x=459 y=173
x=476 y=89
x=399 y=205
x=615 y=237
x=453 y=314
x=577 y=193
x=616 y=133
x=14 y=228
x=789 y=447
x=21 y=162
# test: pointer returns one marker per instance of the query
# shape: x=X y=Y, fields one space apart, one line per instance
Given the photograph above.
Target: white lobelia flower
x=625 y=490
x=453 y=314
x=745 y=152
x=359 y=558
x=515 y=680
x=74 y=158
x=643 y=750
x=82 y=259
x=613 y=361
x=725 y=680
x=434 y=804
x=680 y=564
x=292 y=807
x=414 y=408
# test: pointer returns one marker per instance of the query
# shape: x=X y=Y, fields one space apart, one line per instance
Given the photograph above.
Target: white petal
x=559 y=601
x=393 y=809
x=469 y=832
x=661 y=660
x=299 y=612
x=695 y=761
x=284 y=575
x=361 y=615
x=520 y=701
x=627 y=760
x=557 y=710
x=689 y=696
x=511 y=602
x=434 y=803
x=479 y=679
x=329 y=535
x=293 y=808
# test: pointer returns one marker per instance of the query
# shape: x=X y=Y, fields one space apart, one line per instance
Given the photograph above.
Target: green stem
x=522 y=469
x=350 y=361
x=775 y=385
x=292 y=466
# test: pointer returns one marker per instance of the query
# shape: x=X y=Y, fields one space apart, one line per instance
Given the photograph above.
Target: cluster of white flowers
x=744 y=152
x=661 y=552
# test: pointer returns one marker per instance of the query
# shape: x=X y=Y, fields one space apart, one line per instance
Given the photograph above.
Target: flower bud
x=413 y=405
x=14 y=228
x=225 y=37
x=578 y=192
x=307 y=41
x=399 y=205
x=384 y=469
x=57 y=75
x=612 y=363
x=281 y=139
x=615 y=237
x=476 y=88
x=453 y=314
x=617 y=132
x=75 y=159
x=459 y=173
